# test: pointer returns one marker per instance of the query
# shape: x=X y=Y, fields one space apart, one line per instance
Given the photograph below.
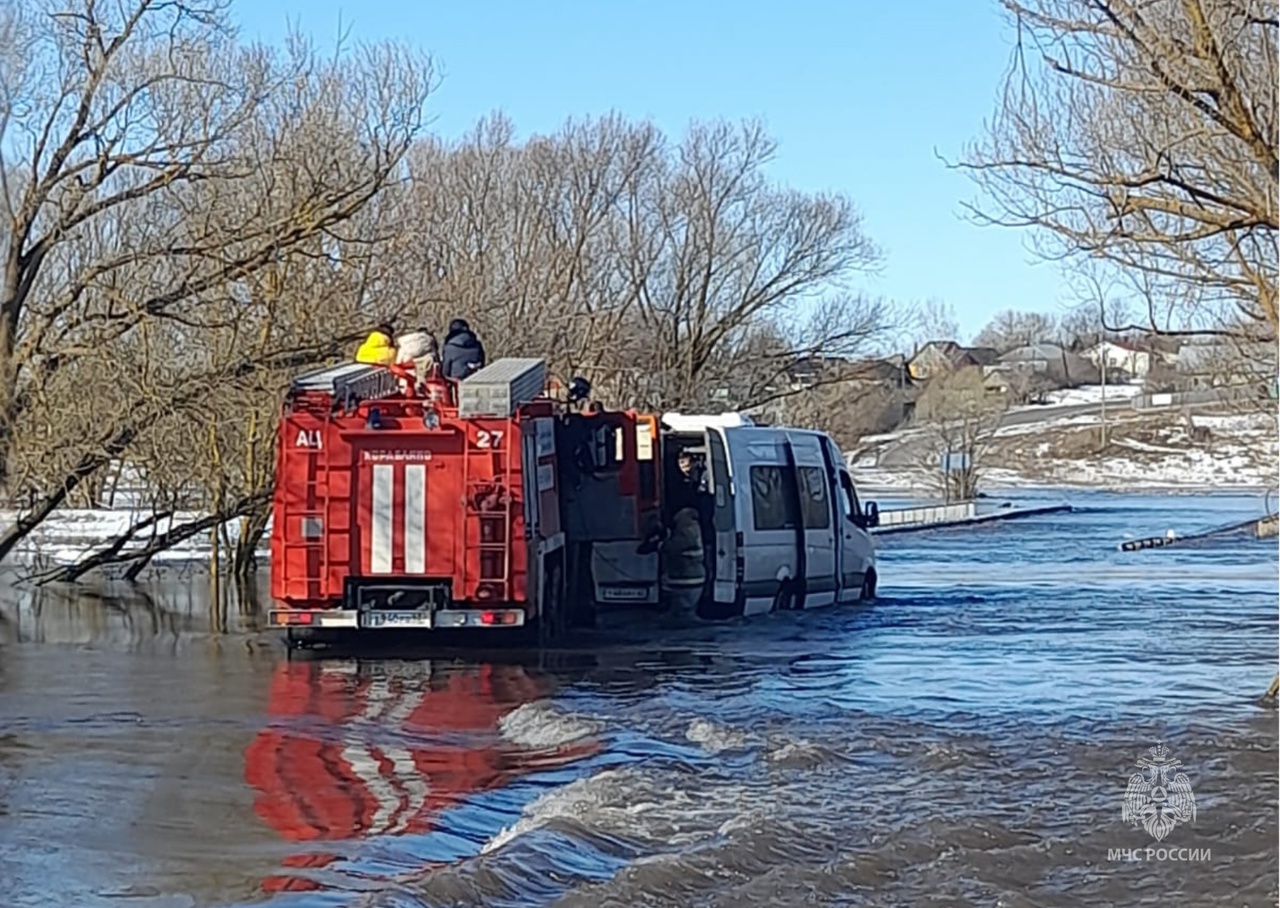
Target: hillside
x=1144 y=451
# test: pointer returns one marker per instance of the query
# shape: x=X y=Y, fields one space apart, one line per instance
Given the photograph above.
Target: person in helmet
x=462 y=352
x=379 y=348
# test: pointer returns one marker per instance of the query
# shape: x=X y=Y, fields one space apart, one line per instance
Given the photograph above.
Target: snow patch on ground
x=1093 y=394
x=68 y=536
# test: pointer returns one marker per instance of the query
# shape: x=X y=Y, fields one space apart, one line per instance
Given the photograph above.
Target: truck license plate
x=624 y=593
x=395 y=619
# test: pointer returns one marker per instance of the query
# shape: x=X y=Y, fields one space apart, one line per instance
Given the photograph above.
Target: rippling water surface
x=965 y=740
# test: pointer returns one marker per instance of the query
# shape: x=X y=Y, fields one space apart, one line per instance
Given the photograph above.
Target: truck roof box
x=501 y=387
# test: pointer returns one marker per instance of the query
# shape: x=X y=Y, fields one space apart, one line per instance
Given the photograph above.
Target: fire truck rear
x=398 y=510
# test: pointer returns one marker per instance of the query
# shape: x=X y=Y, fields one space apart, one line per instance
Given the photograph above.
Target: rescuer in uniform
x=462 y=353
x=379 y=348
x=693 y=492
x=683 y=572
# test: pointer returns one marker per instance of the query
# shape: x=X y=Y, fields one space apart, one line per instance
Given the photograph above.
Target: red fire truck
x=470 y=505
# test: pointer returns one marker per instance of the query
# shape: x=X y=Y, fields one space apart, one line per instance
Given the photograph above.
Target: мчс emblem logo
x=1161 y=801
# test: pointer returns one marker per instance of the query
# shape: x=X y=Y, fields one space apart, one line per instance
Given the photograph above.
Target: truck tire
x=580 y=594
x=552 y=620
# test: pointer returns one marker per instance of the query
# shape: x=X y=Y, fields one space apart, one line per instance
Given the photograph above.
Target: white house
x=1120 y=355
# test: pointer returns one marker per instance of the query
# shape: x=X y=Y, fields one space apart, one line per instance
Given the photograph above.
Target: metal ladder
x=319 y=481
x=493 y=527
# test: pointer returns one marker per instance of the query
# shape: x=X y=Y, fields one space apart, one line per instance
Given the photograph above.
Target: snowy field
x=1242 y=453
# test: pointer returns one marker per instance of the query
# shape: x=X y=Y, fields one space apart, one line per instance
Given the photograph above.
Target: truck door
x=725 y=589
x=821 y=580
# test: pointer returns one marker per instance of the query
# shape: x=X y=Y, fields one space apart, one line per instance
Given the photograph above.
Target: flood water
x=965 y=740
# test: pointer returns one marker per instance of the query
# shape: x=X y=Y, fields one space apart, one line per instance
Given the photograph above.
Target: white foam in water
x=714 y=738
x=636 y=804
x=577 y=800
x=538 y=725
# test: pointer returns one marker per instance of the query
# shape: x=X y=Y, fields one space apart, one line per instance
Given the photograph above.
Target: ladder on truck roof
x=348 y=384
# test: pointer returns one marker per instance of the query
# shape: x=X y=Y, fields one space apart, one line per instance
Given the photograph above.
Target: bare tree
x=960 y=419
x=930 y=320
x=145 y=189
x=1009 y=330
x=1144 y=135
x=666 y=273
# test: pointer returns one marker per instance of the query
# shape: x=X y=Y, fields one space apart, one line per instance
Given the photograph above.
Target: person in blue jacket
x=462 y=353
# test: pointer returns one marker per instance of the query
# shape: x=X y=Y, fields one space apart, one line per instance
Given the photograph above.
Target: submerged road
x=965 y=740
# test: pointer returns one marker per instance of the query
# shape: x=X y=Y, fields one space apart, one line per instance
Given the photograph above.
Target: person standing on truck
x=462 y=353
x=379 y=348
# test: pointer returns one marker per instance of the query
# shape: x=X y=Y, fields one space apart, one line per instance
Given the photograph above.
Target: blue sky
x=861 y=96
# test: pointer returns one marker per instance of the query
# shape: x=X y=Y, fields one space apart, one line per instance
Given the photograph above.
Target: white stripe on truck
x=380 y=532
x=415 y=517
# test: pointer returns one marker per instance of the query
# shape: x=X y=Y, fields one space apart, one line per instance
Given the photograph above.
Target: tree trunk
x=244 y=560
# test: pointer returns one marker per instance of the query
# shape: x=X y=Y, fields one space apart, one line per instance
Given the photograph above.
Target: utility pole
x=1105 y=361
x=1104 y=394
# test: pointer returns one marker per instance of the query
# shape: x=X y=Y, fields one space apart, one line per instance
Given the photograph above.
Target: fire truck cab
x=474 y=505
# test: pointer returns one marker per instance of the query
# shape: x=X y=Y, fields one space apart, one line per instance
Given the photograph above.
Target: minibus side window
x=813 y=498
x=848 y=497
x=768 y=501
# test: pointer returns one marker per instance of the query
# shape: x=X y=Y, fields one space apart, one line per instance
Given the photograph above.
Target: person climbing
x=419 y=350
x=378 y=349
x=462 y=352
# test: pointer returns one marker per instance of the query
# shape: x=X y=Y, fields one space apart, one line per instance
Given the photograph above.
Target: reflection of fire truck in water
x=355 y=751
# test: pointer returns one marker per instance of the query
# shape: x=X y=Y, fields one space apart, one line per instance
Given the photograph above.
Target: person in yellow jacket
x=379 y=348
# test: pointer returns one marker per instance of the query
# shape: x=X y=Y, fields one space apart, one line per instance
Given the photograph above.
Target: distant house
x=1122 y=356
x=943 y=357
x=1051 y=365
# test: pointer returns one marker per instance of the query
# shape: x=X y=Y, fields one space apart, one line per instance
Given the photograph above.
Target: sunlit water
x=966 y=739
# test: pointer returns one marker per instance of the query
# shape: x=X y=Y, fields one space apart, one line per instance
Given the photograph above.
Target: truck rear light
x=492 y=618
x=488 y=617
x=292 y=617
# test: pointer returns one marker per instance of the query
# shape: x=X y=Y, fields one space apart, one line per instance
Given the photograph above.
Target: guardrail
x=965 y=513
x=941 y=513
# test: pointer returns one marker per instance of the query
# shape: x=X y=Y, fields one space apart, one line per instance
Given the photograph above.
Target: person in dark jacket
x=462 y=352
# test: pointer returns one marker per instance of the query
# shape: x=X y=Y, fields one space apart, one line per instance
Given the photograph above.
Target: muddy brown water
x=966 y=740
